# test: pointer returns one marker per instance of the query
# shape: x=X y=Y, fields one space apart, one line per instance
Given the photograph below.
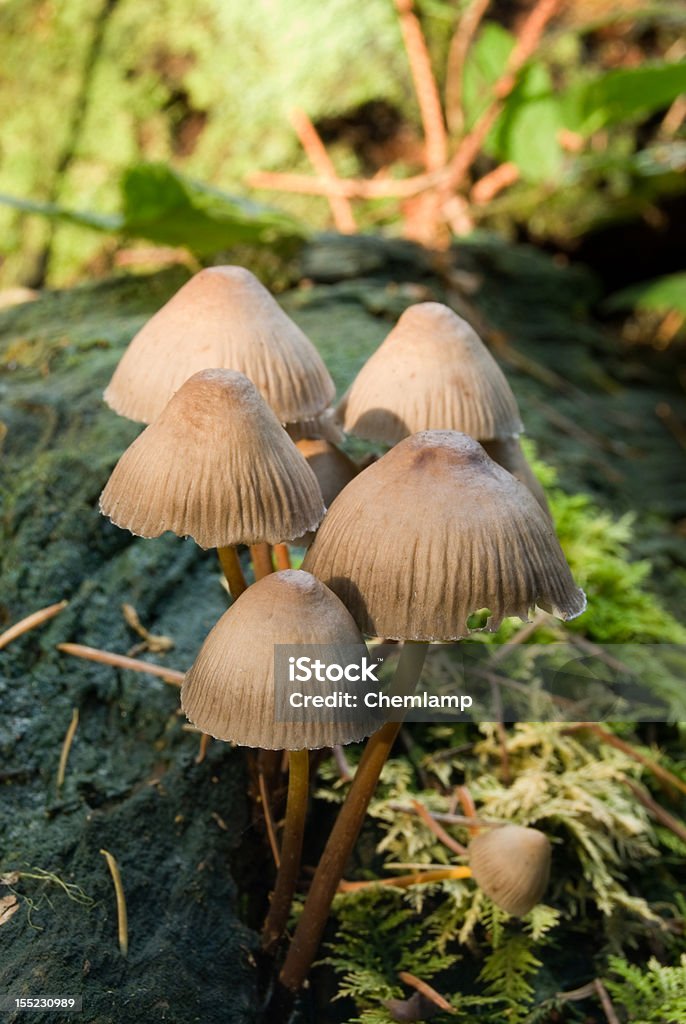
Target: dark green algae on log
x=132 y=786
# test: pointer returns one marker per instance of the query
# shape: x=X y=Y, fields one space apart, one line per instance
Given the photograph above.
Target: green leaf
x=161 y=205
x=660 y=295
x=619 y=95
x=527 y=131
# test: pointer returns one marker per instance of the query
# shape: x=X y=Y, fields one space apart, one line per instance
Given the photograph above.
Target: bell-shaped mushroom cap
x=216 y=466
x=230 y=690
x=510 y=456
x=332 y=467
x=432 y=372
x=433 y=532
x=511 y=863
x=323 y=427
x=222 y=317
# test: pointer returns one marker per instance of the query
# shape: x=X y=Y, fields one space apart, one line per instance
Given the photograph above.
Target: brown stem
x=404 y=881
x=341 y=209
x=346 y=829
x=426 y=90
x=231 y=567
x=291 y=849
x=282 y=556
x=261 y=555
x=457 y=54
x=437 y=830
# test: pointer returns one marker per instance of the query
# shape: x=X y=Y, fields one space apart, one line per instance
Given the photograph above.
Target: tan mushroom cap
x=222 y=317
x=511 y=863
x=323 y=427
x=230 y=690
x=510 y=456
x=216 y=466
x=433 y=532
x=432 y=372
x=332 y=467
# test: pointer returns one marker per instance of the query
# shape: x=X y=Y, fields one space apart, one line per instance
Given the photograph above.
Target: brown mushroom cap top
x=222 y=317
x=511 y=863
x=230 y=690
x=433 y=532
x=216 y=466
x=432 y=372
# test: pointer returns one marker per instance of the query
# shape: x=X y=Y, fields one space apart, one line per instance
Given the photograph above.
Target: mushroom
x=476 y=536
x=216 y=466
x=477 y=539
x=231 y=693
x=433 y=372
x=324 y=427
x=332 y=467
x=511 y=863
x=508 y=454
x=223 y=317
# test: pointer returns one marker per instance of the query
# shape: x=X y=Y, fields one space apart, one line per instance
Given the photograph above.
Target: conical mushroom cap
x=324 y=426
x=510 y=456
x=511 y=864
x=230 y=690
x=333 y=468
x=433 y=532
x=432 y=372
x=216 y=466
x=222 y=317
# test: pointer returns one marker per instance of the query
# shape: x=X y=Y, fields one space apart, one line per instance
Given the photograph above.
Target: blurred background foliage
x=116 y=112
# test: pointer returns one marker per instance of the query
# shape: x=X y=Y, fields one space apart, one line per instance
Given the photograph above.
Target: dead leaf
x=9 y=905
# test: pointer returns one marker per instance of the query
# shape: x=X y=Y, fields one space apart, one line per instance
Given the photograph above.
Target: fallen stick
x=30 y=622
x=168 y=675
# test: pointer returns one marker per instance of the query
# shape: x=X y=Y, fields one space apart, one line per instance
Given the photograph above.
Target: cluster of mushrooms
x=448 y=522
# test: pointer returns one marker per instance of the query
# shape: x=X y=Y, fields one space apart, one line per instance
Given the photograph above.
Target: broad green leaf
x=660 y=295
x=527 y=131
x=621 y=95
x=161 y=205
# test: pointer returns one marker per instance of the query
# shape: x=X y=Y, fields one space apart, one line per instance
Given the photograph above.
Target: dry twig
x=426 y=90
x=122 y=919
x=457 y=54
x=168 y=675
x=321 y=161
x=437 y=830
x=66 y=747
x=426 y=990
x=30 y=622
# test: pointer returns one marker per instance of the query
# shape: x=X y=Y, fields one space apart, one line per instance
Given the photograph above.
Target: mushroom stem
x=231 y=567
x=291 y=848
x=261 y=555
x=282 y=556
x=347 y=828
